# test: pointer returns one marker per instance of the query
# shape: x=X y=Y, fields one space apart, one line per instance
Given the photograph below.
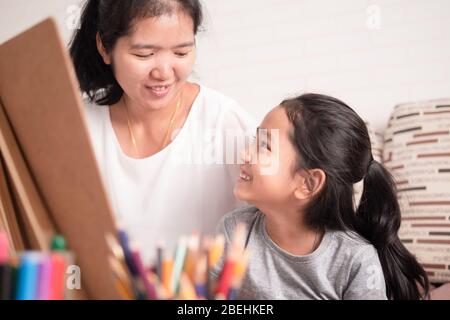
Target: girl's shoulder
x=352 y=244
x=244 y=215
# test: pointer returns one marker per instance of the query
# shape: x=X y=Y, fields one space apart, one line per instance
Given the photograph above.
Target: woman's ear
x=309 y=184
x=101 y=50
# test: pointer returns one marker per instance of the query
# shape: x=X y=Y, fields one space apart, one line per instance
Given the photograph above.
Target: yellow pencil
x=167 y=270
x=240 y=269
x=187 y=290
x=216 y=251
x=192 y=256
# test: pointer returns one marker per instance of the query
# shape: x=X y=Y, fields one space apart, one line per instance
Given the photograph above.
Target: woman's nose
x=163 y=70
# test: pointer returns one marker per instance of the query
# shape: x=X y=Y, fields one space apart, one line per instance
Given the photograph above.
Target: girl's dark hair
x=113 y=19
x=329 y=135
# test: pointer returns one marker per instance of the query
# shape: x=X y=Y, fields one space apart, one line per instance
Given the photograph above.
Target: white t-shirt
x=187 y=186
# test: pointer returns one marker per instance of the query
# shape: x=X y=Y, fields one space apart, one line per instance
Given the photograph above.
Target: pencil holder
x=200 y=268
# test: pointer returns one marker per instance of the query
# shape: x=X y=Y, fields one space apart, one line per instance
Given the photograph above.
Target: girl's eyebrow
x=266 y=130
x=151 y=46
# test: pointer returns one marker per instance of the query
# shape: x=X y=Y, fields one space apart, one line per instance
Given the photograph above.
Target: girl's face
x=153 y=63
x=268 y=174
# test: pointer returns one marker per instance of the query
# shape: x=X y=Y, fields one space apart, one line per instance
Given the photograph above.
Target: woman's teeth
x=244 y=177
x=159 y=88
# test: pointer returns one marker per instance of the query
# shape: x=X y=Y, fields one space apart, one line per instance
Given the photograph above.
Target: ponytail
x=329 y=135
x=92 y=73
x=378 y=220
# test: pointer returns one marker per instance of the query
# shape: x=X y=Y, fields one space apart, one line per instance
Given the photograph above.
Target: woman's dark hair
x=330 y=136
x=113 y=19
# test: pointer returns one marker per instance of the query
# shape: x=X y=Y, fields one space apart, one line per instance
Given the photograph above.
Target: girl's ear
x=309 y=184
x=101 y=50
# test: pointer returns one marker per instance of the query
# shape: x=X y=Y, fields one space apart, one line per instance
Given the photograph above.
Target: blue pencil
x=125 y=243
x=27 y=279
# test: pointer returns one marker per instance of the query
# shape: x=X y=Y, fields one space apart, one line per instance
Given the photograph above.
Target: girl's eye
x=263 y=145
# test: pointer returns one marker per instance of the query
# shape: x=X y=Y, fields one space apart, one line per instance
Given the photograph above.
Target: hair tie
x=370 y=162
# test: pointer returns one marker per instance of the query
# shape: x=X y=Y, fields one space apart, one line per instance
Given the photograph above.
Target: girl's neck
x=289 y=232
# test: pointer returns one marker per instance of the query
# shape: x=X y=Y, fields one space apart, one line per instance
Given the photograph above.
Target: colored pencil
x=178 y=264
x=240 y=269
x=5 y=268
x=137 y=260
x=201 y=277
x=57 y=279
x=44 y=278
x=187 y=289
x=27 y=277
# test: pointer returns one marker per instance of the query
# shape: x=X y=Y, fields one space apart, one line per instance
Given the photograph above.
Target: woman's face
x=153 y=63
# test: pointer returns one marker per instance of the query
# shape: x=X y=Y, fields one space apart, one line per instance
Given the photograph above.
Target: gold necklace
x=133 y=139
x=130 y=130
x=172 y=119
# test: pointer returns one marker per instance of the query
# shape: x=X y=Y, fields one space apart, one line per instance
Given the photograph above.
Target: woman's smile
x=159 y=91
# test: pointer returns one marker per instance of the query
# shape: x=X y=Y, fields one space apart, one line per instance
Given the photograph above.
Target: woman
x=165 y=146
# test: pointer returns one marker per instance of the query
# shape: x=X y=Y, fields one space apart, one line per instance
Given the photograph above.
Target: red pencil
x=226 y=276
x=58 y=276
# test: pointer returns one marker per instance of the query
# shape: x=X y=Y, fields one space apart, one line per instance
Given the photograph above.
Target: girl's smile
x=244 y=176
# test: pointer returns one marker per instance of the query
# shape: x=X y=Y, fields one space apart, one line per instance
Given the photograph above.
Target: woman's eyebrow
x=151 y=46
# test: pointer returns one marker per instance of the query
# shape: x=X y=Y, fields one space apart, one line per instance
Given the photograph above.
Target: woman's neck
x=289 y=232
x=152 y=130
x=146 y=117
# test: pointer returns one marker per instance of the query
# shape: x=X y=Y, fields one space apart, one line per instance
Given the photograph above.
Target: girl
x=305 y=238
x=158 y=138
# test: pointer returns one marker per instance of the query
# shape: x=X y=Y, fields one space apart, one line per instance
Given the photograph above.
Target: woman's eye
x=181 y=54
x=144 y=55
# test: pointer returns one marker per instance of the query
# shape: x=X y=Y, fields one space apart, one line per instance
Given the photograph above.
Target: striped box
x=417 y=152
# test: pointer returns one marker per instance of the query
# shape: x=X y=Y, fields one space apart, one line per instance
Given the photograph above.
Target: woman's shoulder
x=92 y=109
x=217 y=98
x=95 y=113
x=96 y=117
x=225 y=109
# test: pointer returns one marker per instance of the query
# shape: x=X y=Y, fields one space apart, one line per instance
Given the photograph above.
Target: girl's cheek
x=264 y=159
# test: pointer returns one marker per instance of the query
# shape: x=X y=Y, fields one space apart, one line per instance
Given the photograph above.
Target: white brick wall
x=261 y=51
x=18 y=15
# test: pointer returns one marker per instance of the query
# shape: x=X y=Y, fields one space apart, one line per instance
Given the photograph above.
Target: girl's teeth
x=245 y=177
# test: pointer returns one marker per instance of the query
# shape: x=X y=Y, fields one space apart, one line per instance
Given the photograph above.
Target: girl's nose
x=246 y=154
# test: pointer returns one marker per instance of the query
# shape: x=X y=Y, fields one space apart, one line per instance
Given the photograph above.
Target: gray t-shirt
x=344 y=266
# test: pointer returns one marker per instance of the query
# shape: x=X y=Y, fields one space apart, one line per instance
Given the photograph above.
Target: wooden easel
x=49 y=179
